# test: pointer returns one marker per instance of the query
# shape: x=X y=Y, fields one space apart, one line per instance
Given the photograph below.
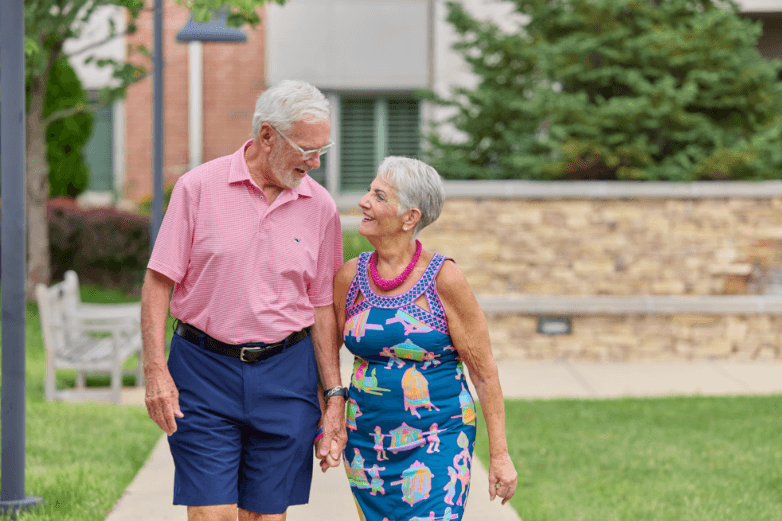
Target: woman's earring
x=404 y=228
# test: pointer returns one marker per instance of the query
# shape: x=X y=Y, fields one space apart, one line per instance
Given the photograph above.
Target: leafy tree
x=66 y=137
x=614 y=89
x=48 y=24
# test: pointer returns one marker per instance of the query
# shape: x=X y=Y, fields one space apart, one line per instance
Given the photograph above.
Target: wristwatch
x=335 y=391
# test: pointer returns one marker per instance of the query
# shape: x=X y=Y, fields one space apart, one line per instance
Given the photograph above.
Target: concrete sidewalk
x=148 y=498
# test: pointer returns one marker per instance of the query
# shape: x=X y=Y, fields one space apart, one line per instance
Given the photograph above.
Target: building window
x=99 y=150
x=371 y=129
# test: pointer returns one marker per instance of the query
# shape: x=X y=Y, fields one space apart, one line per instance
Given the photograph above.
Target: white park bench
x=90 y=338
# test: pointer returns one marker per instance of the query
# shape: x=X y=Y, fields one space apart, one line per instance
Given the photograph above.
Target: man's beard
x=283 y=175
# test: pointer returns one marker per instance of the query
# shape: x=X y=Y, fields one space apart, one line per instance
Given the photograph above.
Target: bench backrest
x=55 y=304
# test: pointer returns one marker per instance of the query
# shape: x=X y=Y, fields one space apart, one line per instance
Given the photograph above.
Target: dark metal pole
x=157 y=134
x=13 y=262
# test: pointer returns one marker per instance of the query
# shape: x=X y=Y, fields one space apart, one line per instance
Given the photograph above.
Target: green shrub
x=66 y=137
x=614 y=89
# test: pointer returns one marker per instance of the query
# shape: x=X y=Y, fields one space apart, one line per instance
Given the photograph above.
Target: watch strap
x=336 y=391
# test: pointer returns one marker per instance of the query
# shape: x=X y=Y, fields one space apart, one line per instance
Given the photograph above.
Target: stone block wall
x=620 y=247
x=611 y=247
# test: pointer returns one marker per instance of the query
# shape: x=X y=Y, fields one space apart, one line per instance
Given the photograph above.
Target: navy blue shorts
x=248 y=430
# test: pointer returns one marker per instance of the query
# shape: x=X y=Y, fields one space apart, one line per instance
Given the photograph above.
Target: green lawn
x=82 y=457
x=683 y=458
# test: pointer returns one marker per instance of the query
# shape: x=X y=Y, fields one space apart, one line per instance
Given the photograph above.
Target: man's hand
x=335 y=437
x=162 y=397
x=162 y=400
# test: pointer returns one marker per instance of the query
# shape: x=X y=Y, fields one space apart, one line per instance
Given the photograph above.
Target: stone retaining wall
x=620 y=247
x=611 y=247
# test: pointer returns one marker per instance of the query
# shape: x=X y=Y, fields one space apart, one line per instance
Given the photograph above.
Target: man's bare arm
x=162 y=397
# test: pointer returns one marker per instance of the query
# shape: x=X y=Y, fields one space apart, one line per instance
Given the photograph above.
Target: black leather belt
x=250 y=352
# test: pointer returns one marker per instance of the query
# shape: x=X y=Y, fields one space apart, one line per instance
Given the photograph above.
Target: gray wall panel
x=349 y=44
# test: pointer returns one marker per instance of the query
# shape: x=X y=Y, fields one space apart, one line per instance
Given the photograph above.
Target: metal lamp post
x=213 y=31
x=157 y=131
x=13 y=234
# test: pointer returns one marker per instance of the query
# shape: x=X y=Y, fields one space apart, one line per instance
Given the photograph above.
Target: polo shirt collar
x=240 y=173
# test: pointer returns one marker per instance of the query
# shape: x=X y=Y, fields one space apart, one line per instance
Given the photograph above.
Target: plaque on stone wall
x=554 y=325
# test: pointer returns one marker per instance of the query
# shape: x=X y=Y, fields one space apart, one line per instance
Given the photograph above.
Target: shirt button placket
x=263 y=207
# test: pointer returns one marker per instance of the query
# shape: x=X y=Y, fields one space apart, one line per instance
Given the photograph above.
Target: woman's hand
x=502 y=478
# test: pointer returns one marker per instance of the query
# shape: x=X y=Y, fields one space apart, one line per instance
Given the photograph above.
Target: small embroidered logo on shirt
x=296 y=240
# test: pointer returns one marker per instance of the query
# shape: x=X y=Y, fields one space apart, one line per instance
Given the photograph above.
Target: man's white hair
x=287 y=102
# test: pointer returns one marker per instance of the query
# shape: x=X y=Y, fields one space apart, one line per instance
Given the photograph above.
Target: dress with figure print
x=410 y=416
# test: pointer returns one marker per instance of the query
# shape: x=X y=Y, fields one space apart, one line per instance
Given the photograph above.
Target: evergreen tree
x=614 y=89
x=66 y=137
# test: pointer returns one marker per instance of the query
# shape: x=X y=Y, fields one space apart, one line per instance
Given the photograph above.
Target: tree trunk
x=38 y=261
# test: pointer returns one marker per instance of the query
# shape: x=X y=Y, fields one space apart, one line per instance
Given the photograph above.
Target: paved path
x=148 y=498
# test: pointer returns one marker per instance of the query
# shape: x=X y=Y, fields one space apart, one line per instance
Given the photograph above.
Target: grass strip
x=81 y=457
x=694 y=458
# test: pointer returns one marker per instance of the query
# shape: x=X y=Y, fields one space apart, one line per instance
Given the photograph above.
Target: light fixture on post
x=215 y=30
x=195 y=34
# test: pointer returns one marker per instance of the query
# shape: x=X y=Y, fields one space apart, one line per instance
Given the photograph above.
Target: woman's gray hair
x=287 y=102
x=417 y=185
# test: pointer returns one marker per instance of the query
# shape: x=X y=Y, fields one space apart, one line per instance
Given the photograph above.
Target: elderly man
x=250 y=245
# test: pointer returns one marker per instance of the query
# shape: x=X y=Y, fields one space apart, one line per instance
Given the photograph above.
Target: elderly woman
x=411 y=320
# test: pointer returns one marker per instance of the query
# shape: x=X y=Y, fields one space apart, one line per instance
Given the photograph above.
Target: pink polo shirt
x=246 y=271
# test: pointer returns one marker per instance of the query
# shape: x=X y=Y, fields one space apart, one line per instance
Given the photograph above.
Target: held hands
x=162 y=401
x=329 y=448
x=502 y=478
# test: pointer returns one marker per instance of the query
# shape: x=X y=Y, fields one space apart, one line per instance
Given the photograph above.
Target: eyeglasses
x=306 y=155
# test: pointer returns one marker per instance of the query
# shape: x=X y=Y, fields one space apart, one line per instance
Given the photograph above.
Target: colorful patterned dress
x=410 y=416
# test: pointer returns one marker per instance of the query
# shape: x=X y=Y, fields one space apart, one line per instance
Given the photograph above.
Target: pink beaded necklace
x=385 y=284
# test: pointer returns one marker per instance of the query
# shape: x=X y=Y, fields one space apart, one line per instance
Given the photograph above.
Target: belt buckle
x=250 y=349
